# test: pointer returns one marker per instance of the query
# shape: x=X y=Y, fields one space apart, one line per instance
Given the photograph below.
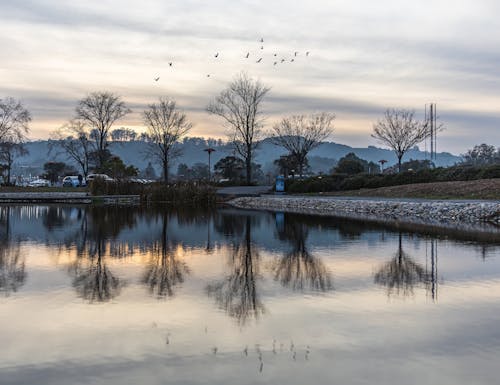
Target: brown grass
x=476 y=189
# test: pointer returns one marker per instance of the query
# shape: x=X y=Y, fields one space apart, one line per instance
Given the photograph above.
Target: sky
x=365 y=57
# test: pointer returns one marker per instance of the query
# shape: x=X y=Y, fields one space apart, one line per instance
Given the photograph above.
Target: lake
x=131 y=295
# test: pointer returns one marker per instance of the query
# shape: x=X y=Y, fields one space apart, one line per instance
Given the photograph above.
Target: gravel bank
x=473 y=215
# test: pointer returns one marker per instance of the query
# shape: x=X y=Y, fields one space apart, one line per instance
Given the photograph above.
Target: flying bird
x=217 y=54
x=262 y=40
x=275 y=54
x=248 y=54
x=156 y=79
x=258 y=61
x=170 y=64
x=307 y=53
x=261 y=47
x=292 y=60
x=296 y=53
x=282 y=60
x=208 y=75
x=275 y=63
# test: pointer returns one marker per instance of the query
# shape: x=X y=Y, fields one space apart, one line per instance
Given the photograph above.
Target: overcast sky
x=365 y=56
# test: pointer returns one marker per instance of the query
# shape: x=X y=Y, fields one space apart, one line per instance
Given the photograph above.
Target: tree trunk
x=399 y=162
x=165 y=171
x=248 y=162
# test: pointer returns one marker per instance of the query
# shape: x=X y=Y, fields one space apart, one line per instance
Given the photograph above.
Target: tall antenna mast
x=431 y=120
x=435 y=131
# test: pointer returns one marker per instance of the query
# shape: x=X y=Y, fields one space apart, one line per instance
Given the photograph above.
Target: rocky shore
x=475 y=215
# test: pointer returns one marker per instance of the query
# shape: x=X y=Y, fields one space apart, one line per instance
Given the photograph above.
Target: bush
x=100 y=186
x=316 y=184
x=343 y=182
x=185 y=193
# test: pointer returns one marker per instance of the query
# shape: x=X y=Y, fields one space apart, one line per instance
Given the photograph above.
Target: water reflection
x=237 y=294
x=298 y=268
x=92 y=278
x=165 y=270
x=253 y=265
x=12 y=260
x=402 y=273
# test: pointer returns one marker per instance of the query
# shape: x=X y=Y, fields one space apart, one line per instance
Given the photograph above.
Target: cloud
x=364 y=58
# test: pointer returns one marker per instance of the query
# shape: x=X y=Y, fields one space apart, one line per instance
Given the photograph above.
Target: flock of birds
x=277 y=59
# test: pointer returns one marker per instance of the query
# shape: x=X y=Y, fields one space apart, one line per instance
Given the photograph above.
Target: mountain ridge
x=321 y=159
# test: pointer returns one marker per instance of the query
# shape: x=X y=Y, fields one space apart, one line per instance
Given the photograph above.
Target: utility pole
x=209 y=151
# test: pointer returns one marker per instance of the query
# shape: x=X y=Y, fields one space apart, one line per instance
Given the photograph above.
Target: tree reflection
x=12 y=261
x=237 y=294
x=401 y=274
x=93 y=280
x=164 y=270
x=229 y=224
x=298 y=268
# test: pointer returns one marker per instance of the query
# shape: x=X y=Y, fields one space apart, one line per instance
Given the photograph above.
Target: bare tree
x=166 y=125
x=99 y=111
x=9 y=150
x=14 y=120
x=240 y=107
x=74 y=140
x=299 y=134
x=400 y=130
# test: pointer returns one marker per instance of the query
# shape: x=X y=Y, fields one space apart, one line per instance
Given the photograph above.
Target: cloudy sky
x=365 y=56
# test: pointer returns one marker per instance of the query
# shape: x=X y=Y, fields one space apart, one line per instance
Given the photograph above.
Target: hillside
x=321 y=159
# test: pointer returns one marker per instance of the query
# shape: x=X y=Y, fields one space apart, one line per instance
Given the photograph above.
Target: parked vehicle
x=72 y=181
x=39 y=183
x=92 y=177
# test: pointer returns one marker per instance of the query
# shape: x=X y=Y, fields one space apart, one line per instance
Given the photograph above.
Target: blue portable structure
x=280 y=184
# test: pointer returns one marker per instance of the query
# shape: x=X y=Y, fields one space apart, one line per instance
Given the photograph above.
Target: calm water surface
x=96 y=295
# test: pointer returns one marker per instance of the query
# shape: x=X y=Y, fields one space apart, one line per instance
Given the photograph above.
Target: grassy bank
x=476 y=189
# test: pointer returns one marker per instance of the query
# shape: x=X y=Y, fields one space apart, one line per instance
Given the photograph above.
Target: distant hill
x=323 y=158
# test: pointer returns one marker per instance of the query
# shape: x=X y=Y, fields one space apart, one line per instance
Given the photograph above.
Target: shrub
x=185 y=193
x=102 y=187
x=342 y=182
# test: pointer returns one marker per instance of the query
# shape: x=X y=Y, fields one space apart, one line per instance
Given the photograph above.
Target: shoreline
x=462 y=216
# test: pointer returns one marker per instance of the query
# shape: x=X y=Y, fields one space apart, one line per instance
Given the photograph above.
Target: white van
x=104 y=177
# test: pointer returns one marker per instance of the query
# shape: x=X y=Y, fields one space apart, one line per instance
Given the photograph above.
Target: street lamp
x=209 y=151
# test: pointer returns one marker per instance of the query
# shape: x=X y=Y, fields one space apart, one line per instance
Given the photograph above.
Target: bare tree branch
x=299 y=134
x=400 y=130
x=166 y=125
x=14 y=120
x=99 y=111
x=239 y=106
x=73 y=139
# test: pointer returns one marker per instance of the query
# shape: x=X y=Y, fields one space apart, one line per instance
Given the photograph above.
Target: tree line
x=85 y=138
